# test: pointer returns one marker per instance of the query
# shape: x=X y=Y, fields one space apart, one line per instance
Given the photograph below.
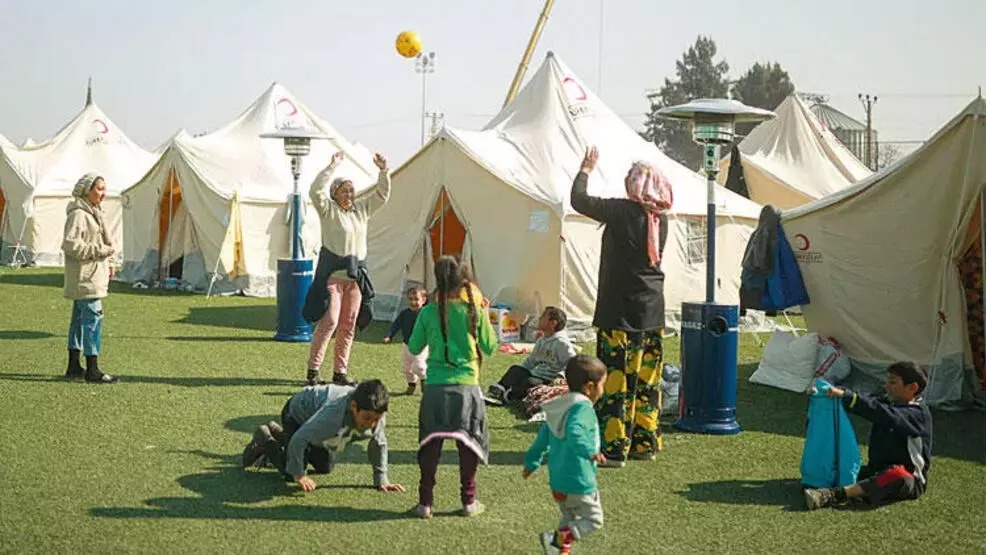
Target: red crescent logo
x=578 y=91
x=101 y=126
x=805 y=243
x=294 y=110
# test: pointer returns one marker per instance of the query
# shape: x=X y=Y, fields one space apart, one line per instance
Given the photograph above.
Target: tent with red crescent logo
x=794 y=159
x=500 y=197
x=894 y=264
x=178 y=218
x=37 y=182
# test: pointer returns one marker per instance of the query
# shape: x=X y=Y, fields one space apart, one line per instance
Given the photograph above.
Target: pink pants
x=414 y=366
x=344 y=303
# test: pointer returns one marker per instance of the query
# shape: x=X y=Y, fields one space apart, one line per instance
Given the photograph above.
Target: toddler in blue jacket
x=570 y=437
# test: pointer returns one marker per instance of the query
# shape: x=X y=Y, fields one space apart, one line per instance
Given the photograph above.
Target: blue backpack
x=831 y=456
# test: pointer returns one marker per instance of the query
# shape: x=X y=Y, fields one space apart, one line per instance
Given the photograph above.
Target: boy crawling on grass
x=320 y=422
x=900 y=442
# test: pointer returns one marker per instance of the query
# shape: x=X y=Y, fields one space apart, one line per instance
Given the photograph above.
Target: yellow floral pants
x=628 y=410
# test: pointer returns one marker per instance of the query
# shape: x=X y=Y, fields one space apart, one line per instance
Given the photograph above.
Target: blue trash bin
x=707 y=395
x=294 y=279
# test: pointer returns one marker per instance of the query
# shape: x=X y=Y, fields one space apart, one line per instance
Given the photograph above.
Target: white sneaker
x=496 y=394
x=547 y=539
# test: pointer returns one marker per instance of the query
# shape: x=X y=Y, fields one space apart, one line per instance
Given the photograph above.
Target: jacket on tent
x=771 y=278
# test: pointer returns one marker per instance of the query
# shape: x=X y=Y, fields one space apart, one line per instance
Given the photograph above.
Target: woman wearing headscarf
x=341 y=271
x=629 y=314
x=87 y=249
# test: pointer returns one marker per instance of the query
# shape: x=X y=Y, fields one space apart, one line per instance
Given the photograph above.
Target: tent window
x=695 y=237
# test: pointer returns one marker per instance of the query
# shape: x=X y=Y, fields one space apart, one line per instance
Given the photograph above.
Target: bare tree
x=886 y=154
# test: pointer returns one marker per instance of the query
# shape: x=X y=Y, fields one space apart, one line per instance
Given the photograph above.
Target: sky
x=161 y=66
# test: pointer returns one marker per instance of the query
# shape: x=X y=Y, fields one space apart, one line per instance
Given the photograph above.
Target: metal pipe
x=531 y=44
x=296 y=209
x=424 y=79
x=710 y=225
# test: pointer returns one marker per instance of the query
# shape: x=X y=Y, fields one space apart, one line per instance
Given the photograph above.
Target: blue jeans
x=87 y=326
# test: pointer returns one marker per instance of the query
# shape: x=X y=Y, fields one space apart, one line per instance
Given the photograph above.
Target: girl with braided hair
x=458 y=335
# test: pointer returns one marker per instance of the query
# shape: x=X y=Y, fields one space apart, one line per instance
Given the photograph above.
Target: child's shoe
x=496 y=394
x=421 y=511
x=818 y=498
x=254 y=450
x=473 y=509
x=412 y=388
x=276 y=431
x=548 y=544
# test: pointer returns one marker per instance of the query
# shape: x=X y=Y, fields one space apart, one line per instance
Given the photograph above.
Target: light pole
x=295 y=274
x=708 y=330
x=424 y=64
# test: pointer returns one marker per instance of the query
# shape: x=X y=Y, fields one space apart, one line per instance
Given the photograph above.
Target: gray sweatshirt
x=328 y=422
x=550 y=355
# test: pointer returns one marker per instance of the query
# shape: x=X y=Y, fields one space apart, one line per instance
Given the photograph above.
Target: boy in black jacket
x=900 y=442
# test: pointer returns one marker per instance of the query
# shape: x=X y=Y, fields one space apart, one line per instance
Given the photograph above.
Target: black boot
x=75 y=369
x=314 y=377
x=340 y=378
x=93 y=374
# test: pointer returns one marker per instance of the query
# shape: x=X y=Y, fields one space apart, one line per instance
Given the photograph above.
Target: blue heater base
x=294 y=279
x=709 y=342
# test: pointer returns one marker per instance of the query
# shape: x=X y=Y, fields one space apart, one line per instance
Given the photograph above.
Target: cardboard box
x=506 y=324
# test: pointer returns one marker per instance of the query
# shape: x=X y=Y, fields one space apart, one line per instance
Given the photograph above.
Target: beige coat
x=87 y=248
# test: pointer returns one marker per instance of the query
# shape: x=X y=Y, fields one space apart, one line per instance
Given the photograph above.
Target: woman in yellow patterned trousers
x=629 y=312
x=628 y=411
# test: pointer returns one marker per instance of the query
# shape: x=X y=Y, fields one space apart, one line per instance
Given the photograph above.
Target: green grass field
x=151 y=464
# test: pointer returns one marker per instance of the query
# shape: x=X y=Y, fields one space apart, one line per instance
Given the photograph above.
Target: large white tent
x=793 y=159
x=500 y=197
x=217 y=205
x=893 y=264
x=37 y=181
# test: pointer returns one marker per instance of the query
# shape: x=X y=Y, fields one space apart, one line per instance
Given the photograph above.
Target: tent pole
x=171 y=215
x=424 y=258
x=441 y=222
x=3 y=225
x=982 y=263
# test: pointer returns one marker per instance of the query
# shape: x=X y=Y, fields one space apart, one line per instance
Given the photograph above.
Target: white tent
x=217 y=205
x=37 y=181
x=501 y=198
x=882 y=260
x=5 y=235
x=793 y=159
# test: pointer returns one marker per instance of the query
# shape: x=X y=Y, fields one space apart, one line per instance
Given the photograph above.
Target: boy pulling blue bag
x=831 y=455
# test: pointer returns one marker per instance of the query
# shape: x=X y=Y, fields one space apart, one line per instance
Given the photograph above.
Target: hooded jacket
x=87 y=247
x=569 y=436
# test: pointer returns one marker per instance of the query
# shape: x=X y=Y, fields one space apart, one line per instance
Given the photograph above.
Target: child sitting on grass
x=570 y=438
x=900 y=441
x=546 y=362
x=414 y=366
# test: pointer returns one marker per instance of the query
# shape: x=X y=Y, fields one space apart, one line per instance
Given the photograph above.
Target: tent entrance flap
x=445 y=230
x=170 y=203
x=3 y=215
x=970 y=266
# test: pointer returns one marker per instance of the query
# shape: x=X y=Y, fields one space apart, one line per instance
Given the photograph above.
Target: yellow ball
x=408 y=44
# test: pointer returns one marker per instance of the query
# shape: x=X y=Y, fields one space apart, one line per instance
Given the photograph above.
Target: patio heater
x=707 y=402
x=295 y=274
